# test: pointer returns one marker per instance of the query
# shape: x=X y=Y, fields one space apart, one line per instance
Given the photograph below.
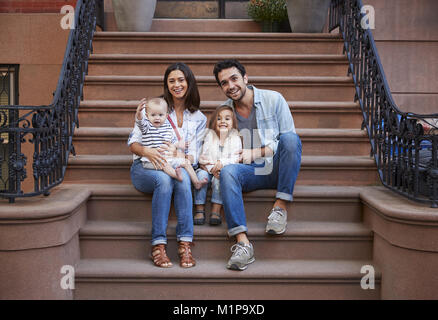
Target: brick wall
x=34 y=6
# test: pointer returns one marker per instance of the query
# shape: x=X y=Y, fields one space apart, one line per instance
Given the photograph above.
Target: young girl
x=222 y=145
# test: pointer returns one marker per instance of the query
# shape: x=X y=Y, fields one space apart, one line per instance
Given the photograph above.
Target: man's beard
x=240 y=96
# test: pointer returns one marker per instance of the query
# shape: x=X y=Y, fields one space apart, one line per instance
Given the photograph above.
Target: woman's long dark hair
x=192 y=99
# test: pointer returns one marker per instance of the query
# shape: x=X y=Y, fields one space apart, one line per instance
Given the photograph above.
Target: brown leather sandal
x=159 y=256
x=185 y=255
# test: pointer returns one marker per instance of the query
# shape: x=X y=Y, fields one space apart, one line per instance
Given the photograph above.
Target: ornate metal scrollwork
x=50 y=128
x=404 y=145
x=17 y=164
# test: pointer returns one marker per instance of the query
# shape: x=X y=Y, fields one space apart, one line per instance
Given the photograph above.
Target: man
x=271 y=156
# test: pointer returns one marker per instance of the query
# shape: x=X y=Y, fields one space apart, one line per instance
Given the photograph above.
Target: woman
x=182 y=95
x=183 y=100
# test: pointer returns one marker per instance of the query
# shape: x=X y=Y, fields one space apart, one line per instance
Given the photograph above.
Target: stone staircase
x=326 y=243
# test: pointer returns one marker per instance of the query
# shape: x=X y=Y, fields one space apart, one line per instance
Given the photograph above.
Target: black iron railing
x=403 y=144
x=49 y=129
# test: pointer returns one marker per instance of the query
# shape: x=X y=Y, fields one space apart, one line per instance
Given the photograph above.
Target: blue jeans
x=162 y=186
x=201 y=194
x=238 y=178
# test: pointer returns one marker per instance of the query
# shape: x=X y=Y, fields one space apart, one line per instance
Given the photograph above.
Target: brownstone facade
x=34 y=6
x=82 y=221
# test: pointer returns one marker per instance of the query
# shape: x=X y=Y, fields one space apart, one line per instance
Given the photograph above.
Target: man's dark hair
x=226 y=64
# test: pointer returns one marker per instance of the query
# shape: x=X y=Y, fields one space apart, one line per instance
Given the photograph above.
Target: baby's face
x=156 y=114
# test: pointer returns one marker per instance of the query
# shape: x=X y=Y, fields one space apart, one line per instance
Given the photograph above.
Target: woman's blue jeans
x=162 y=187
x=238 y=178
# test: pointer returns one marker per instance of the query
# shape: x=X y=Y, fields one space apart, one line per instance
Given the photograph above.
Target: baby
x=156 y=131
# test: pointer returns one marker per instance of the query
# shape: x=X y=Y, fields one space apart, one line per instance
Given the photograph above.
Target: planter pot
x=307 y=16
x=134 y=15
x=268 y=26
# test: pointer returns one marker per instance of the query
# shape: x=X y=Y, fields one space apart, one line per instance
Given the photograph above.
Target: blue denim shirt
x=273 y=116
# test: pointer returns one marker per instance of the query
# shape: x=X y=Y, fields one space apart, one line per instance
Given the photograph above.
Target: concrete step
x=264 y=279
x=315 y=170
x=326 y=114
x=332 y=142
x=292 y=88
x=111 y=202
x=216 y=43
x=306 y=114
x=202 y=64
x=302 y=240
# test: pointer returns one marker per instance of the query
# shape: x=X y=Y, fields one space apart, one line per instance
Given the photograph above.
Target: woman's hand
x=168 y=149
x=155 y=157
x=216 y=170
x=181 y=144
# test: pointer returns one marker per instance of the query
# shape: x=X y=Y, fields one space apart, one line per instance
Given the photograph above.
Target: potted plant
x=270 y=13
x=134 y=15
x=307 y=15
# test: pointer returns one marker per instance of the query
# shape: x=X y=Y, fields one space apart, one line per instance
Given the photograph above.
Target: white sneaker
x=243 y=255
x=277 y=221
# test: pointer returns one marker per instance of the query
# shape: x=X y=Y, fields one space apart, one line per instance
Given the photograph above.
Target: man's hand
x=246 y=156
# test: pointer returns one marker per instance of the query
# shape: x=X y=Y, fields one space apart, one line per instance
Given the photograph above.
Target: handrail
x=50 y=128
x=403 y=144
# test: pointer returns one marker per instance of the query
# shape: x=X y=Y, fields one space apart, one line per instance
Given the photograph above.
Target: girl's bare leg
x=215 y=215
x=200 y=209
x=216 y=207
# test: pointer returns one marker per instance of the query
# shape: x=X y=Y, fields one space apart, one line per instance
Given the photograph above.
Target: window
x=8 y=96
x=8 y=84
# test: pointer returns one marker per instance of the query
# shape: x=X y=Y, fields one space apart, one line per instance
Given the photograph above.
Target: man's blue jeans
x=162 y=186
x=238 y=178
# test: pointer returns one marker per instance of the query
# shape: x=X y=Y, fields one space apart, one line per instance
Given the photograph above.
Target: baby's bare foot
x=179 y=175
x=199 y=184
